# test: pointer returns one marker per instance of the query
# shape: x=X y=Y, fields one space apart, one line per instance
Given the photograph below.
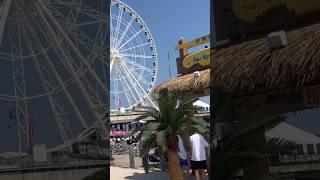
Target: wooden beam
x=193 y=43
x=282 y=101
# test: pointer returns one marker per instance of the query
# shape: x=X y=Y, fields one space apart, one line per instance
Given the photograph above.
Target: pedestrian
x=199 y=149
x=184 y=162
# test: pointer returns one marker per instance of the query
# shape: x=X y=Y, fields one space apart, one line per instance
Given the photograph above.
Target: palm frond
x=247 y=130
x=161 y=138
x=199 y=121
x=278 y=146
x=171 y=120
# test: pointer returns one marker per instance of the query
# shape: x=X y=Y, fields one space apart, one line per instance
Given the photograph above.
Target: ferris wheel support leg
x=20 y=91
x=65 y=59
x=56 y=108
x=135 y=80
x=56 y=76
x=111 y=65
x=66 y=92
x=130 y=80
x=125 y=84
x=4 y=11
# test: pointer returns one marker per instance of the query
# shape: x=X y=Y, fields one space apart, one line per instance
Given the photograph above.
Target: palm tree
x=172 y=119
x=237 y=145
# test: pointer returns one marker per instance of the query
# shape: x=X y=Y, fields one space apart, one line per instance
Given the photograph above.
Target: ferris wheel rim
x=24 y=57
x=151 y=43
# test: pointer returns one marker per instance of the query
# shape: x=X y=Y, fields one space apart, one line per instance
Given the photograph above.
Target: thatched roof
x=189 y=84
x=253 y=65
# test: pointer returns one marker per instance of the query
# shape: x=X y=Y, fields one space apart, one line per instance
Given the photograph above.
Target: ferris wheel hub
x=115 y=54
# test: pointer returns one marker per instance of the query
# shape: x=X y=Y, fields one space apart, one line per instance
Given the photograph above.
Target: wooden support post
x=183 y=51
x=131 y=158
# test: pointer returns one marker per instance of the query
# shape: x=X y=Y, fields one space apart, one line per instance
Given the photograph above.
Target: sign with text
x=194 y=43
x=194 y=62
x=240 y=19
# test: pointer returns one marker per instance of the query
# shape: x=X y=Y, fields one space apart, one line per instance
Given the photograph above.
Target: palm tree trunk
x=174 y=165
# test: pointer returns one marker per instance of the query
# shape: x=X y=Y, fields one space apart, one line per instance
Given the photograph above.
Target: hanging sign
x=202 y=58
x=241 y=19
x=194 y=62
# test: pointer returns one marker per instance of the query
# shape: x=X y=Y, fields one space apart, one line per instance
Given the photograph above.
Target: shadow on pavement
x=155 y=175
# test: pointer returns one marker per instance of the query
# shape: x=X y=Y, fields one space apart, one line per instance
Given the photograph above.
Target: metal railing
x=28 y=162
x=296 y=159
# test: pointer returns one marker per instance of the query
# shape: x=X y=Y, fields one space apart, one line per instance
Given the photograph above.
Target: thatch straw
x=187 y=83
x=254 y=66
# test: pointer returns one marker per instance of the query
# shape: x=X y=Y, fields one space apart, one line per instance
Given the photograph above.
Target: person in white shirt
x=199 y=147
x=184 y=162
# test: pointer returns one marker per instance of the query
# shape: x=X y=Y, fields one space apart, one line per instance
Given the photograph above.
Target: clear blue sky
x=168 y=20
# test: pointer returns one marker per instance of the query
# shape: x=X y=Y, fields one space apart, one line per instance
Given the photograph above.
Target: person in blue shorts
x=184 y=162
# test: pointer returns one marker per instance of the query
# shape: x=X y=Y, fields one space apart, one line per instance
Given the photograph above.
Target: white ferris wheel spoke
x=130 y=85
x=134 y=47
x=5 y=8
x=125 y=31
x=136 y=94
x=137 y=56
x=117 y=28
x=139 y=65
x=111 y=31
x=126 y=85
x=141 y=88
x=141 y=78
x=122 y=45
x=116 y=96
x=111 y=65
x=123 y=34
x=77 y=25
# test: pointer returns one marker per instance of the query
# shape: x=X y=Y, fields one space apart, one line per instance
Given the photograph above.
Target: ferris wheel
x=134 y=61
x=54 y=60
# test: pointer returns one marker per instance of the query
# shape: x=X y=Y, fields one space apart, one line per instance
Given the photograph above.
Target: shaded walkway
x=118 y=173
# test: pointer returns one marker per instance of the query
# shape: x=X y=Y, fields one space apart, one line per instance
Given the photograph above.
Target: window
x=310 y=149
x=300 y=149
